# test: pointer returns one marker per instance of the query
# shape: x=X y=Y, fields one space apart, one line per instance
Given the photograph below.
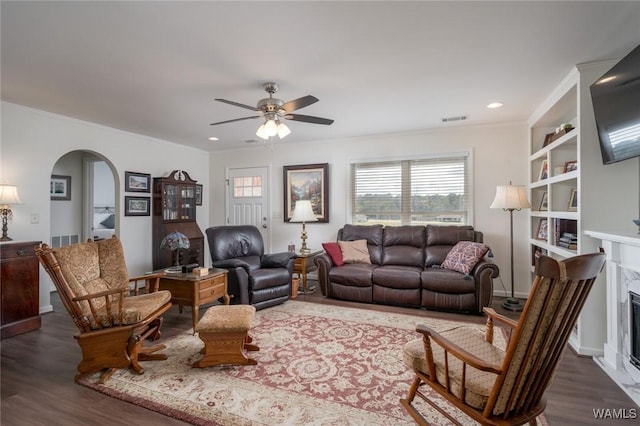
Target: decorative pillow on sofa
x=464 y=256
x=355 y=251
x=334 y=252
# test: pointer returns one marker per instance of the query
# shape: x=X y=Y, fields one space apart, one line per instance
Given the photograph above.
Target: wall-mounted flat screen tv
x=616 y=105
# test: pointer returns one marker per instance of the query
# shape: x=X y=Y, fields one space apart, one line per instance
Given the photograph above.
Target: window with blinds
x=410 y=192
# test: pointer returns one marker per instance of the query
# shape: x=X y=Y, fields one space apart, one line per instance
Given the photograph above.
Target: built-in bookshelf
x=571 y=190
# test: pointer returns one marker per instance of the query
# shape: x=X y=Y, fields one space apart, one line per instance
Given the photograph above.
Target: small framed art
x=137 y=206
x=60 y=187
x=543 y=230
x=548 y=138
x=137 y=182
x=544 y=202
x=544 y=170
x=570 y=166
x=573 y=201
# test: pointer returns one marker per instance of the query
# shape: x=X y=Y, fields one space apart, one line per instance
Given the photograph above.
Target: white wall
x=33 y=141
x=66 y=215
x=499 y=155
x=103 y=190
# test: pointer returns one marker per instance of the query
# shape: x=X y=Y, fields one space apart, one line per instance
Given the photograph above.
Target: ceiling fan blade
x=296 y=104
x=308 y=119
x=237 y=104
x=235 y=119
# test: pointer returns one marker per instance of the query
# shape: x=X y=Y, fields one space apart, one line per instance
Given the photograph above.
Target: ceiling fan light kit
x=273 y=110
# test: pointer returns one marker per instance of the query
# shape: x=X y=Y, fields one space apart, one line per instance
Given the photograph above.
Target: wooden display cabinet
x=174 y=209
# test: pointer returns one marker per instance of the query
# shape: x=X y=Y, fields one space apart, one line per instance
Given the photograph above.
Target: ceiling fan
x=273 y=110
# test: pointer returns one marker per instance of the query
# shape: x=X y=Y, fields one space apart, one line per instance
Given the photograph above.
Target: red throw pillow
x=464 y=256
x=334 y=252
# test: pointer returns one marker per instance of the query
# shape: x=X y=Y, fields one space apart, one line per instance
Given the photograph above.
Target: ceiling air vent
x=456 y=118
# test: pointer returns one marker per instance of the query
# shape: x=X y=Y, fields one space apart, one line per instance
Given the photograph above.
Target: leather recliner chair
x=255 y=278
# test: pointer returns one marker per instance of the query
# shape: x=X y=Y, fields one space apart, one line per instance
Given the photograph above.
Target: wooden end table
x=192 y=290
x=305 y=264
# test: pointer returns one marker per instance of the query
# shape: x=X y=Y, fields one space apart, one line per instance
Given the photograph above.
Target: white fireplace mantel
x=623 y=275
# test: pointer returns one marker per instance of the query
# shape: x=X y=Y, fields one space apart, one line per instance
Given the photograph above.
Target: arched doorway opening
x=88 y=208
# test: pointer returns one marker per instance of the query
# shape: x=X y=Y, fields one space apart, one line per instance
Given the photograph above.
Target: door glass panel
x=248 y=186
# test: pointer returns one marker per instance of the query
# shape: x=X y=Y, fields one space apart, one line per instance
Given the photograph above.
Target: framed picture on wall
x=137 y=182
x=137 y=206
x=307 y=182
x=60 y=187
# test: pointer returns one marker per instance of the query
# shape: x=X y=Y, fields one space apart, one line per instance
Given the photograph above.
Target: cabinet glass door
x=188 y=207
x=171 y=202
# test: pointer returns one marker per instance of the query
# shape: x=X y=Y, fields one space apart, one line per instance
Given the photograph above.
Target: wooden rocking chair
x=92 y=282
x=504 y=387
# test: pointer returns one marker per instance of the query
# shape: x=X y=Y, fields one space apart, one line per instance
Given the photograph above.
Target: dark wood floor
x=37 y=371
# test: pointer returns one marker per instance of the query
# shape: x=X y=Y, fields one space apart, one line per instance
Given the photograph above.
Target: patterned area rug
x=317 y=364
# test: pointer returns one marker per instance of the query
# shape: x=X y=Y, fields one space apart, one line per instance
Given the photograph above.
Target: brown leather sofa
x=405 y=270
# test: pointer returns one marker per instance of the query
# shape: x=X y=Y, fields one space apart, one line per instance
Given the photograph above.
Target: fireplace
x=634 y=352
x=621 y=357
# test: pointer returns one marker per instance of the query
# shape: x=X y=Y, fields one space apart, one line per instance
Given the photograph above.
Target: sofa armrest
x=483 y=273
x=277 y=260
x=324 y=264
x=231 y=263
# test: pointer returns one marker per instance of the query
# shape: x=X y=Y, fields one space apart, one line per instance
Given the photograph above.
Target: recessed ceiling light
x=494 y=105
x=213 y=138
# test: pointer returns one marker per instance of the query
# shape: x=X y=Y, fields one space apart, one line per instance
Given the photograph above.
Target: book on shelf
x=568 y=245
x=568 y=240
x=568 y=237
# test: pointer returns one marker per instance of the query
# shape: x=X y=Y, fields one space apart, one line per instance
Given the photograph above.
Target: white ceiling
x=377 y=67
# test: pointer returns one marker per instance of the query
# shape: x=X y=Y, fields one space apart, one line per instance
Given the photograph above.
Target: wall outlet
x=35 y=218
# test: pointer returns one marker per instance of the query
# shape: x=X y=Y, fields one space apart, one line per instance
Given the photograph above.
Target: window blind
x=410 y=192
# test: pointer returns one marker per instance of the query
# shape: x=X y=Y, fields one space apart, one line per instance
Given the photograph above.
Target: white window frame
x=468 y=152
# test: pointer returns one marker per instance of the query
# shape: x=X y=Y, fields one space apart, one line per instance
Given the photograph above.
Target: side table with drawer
x=191 y=290
x=305 y=264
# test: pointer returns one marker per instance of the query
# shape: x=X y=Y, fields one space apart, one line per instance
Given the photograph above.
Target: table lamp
x=510 y=198
x=175 y=241
x=303 y=212
x=8 y=196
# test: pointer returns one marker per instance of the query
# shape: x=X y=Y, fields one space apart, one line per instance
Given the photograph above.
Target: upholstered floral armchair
x=113 y=317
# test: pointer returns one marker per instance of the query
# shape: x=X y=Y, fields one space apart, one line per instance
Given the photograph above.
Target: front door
x=248 y=203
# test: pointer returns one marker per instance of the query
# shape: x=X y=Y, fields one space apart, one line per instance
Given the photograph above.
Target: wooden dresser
x=19 y=288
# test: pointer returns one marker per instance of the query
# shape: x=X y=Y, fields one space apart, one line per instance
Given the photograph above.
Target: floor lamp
x=510 y=198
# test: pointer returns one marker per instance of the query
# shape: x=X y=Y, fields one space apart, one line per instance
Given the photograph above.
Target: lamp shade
x=283 y=130
x=303 y=212
x=271 y=127
x=175 y=240
x=261 y=132
x=9 y=195
x=510 y=197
